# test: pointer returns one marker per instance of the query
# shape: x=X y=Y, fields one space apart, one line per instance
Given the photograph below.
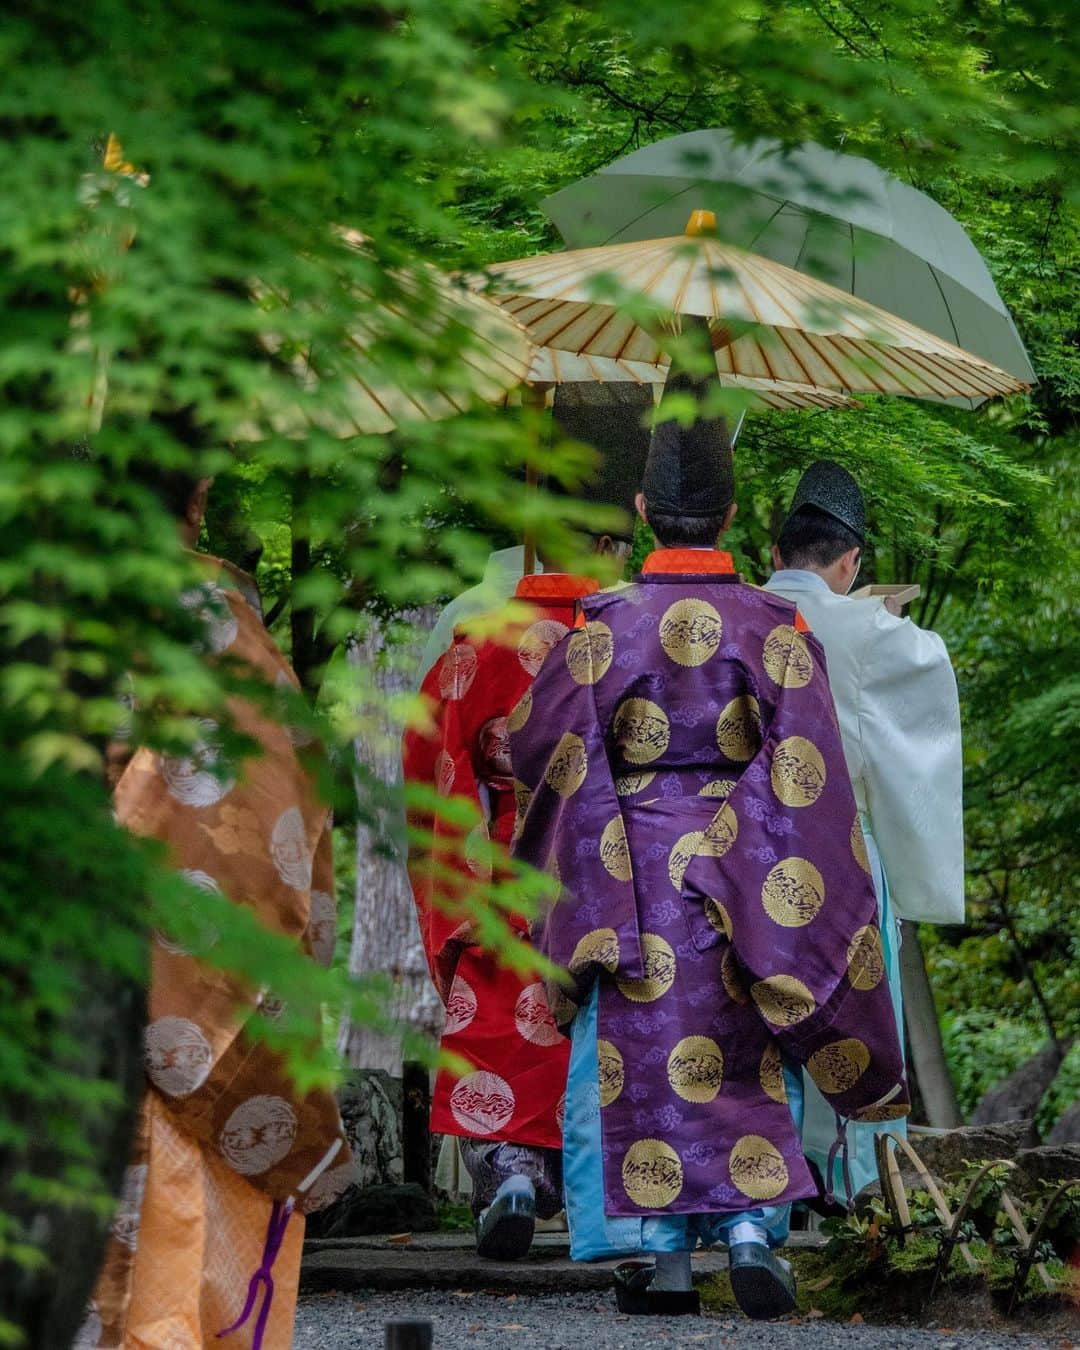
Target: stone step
x=449 y=1261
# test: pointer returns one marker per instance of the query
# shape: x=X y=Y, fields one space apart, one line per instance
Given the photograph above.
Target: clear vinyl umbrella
x=767 y=321
x=834 y=216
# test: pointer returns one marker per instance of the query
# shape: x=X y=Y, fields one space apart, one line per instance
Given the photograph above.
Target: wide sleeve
x=909 y=724
x=448 y=845
x=781 y=874
x=569 y=823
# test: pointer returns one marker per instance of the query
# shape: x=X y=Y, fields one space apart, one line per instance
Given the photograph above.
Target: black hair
x=814 y=538
x=685 y=531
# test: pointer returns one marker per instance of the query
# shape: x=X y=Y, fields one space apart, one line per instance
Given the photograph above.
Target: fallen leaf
x=399 y=1239
x=816 y=1286
x=856 y=1319
x=476 y=1326
x=464 y=1293
x=815 y=1312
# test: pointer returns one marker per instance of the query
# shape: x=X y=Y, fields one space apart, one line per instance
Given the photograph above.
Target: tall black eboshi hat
x=614 y=420
x=828 y=487
x=689 y=470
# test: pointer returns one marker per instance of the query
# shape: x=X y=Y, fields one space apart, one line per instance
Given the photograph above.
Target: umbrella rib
x=941 y=292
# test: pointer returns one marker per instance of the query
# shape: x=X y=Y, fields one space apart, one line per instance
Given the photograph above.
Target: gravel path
x=587 y=1321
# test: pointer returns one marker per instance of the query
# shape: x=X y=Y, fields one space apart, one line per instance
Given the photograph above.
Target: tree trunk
x=386 y=936
x=924 y=1035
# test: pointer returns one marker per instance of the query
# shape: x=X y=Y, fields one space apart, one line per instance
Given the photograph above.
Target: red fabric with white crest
x=496 y=1020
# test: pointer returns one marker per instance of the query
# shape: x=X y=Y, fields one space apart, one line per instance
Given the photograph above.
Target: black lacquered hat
x=614 y=420
x=828 y=487
x=689 y=470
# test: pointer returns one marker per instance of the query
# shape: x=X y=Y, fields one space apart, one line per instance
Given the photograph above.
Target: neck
x=832 y=576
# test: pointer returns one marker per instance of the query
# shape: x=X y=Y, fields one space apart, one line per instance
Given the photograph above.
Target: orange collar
x=688 y=561
x=557 y=587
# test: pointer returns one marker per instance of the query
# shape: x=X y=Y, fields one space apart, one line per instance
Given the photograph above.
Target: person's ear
x=729 y=516
x=777 y=561
x=605 y=545
x=639 y=506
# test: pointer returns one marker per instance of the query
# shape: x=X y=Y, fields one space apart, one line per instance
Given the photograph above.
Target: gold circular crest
x=839 y=1066
x=522 y=798
x=738 y=729
x=858 y=844
x=600 y=947
x=783 y=1000
x=659 y=962
x=563 y=1008
x=771 y=1074
x=568 y=765
x=720 y=833
x=731 y=977
x=798 y=772
x=874 y=1114
x=519 y=714
x=793 y=892
x=695 y=1069
x=685 y=849
x=866 y=958
x=652 y=1173
x=757 y=1168
x=718 y=917
x=589 y=652
x=719 y=787
x=629 y=784
x=614 y=850
x=612 y=1072
x=690 y=631
x=642 y=730
x=787 y=659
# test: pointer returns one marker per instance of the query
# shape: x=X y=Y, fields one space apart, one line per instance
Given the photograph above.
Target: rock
x=370 y=1102
x=1067 y=1129
x=365 y=1210
x=1018 y=1096
x=947 y=1153
x=1053 y=1163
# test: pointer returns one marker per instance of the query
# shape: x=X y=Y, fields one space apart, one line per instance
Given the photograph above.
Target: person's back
x=682 y=776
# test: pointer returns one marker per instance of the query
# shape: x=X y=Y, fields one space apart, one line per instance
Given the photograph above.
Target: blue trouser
x=593 y=1234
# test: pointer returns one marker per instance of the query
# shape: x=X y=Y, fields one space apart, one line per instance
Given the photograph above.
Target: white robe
x=899 y=715
x=896 y=700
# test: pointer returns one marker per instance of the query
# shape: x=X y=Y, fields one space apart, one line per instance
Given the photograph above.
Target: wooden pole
x=407 y=1335
x=532 y=396
x=924 y=1035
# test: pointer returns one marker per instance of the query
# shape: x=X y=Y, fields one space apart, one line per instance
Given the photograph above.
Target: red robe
x=496 y=1020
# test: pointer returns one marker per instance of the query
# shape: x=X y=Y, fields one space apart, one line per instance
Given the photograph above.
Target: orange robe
x=224 y=1141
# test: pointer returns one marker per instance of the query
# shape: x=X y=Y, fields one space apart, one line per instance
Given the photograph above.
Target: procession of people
x=734 y=808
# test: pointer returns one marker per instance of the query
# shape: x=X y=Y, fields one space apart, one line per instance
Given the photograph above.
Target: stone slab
x=449 y=1261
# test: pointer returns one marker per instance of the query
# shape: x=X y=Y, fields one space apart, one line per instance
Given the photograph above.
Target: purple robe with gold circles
x=680 y=772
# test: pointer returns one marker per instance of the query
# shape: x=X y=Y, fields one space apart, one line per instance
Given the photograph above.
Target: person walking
x=899 y=716
x=679 y=773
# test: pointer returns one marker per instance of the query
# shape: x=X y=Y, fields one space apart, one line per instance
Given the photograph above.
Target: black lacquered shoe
x=505 y=1230
x=634 y=1296
x=762 y=1284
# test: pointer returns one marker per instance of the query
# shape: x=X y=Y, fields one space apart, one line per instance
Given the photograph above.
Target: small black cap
x=614 y=420
x=830 y=488
x=689 y=471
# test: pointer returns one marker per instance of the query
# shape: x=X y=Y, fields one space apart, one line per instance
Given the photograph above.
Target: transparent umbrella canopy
x=835 y=216
x=766 y=321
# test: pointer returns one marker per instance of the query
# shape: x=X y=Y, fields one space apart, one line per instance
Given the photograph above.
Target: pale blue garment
x=819 y=1121
x=593 y=1235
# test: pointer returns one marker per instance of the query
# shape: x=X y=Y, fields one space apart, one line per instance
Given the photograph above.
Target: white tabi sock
x=747 y=1232
x=672 y=1272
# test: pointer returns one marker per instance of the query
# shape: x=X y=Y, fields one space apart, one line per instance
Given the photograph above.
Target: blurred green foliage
x=149 y=318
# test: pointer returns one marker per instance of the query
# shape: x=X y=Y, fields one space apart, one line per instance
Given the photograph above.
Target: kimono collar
x=686 y=562
x=555 y=587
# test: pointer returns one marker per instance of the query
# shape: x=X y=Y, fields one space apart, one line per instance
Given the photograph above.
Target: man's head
x=687 y=494
x=825 y=527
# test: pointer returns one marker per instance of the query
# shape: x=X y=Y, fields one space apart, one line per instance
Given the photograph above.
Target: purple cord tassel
x=280 y=1215
x=840 y=1145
